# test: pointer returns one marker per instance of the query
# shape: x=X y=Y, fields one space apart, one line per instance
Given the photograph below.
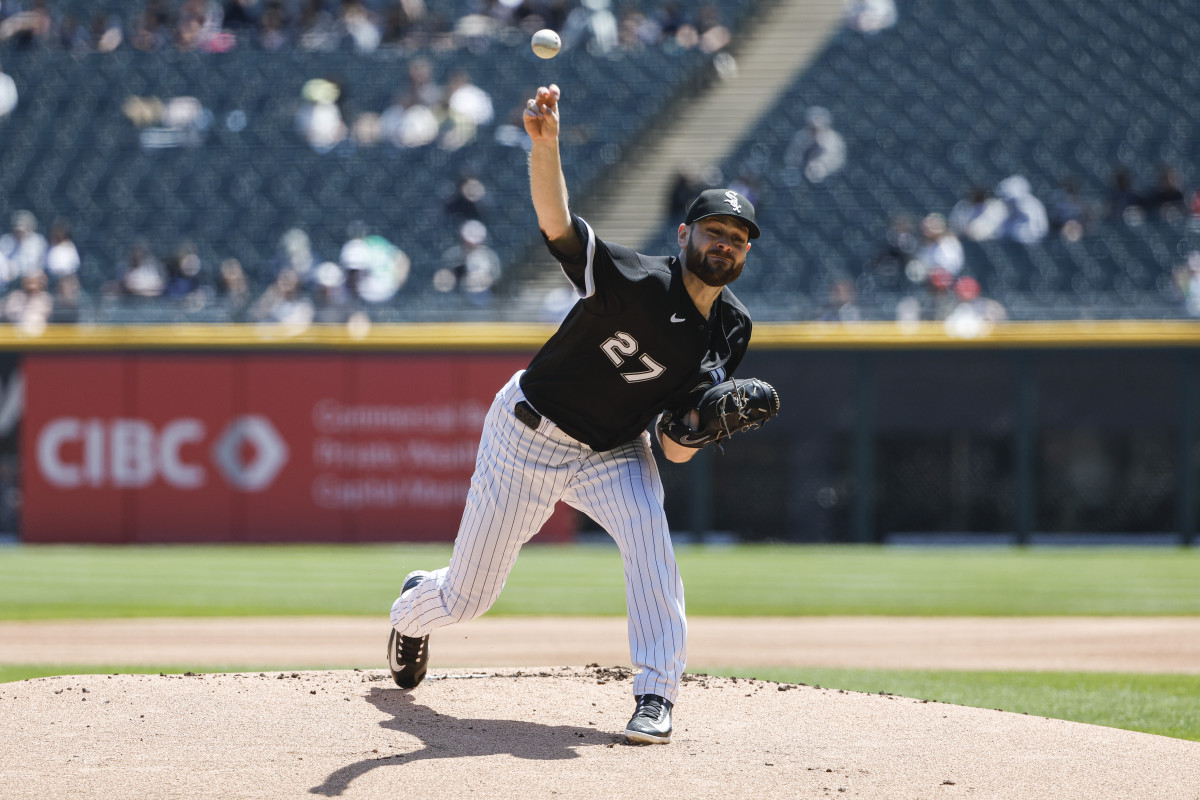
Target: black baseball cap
x=724 y=202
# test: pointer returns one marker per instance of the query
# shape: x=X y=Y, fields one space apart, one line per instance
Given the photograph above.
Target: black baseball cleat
x=651 y=722
x=408 y=656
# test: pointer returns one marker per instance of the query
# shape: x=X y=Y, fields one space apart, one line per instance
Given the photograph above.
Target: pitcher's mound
x=545 y=733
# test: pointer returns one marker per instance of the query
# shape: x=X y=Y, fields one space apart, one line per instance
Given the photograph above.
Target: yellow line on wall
x=530 y=336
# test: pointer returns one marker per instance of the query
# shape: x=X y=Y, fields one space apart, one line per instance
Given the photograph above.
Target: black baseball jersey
x=633 y=344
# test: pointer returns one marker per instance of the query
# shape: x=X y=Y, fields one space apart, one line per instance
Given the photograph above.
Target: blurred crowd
x=359 y=25
x=929 y=256
x=40 y=281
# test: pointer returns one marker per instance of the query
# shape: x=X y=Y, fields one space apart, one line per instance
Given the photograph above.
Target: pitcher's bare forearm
x=548 y=188
x=547 y=185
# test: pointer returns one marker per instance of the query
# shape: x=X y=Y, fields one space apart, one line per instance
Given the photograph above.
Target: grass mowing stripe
x=91 y=582
x=1159 y=704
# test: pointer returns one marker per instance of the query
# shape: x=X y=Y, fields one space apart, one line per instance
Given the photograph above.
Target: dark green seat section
x=962 y=94
x=70 y=152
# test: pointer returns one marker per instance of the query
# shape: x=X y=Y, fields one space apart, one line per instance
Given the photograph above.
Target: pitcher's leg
x=519 y=475
x=621 y=490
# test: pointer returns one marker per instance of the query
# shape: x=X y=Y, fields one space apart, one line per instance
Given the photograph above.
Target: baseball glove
x=727 y=408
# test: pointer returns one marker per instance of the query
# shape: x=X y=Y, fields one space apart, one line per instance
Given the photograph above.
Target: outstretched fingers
x=545 y=102
x=541 y=113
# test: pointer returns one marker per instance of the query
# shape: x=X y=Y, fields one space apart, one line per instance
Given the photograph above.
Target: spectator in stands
x=72 y=35
x=1187 y=283
x=534 y=14
x=511 y=132
x=1026 y=222
x=183 y=273
x=361 y=27
x=272 y=32
x=23 y=250
x=62 y=258
x=817 y=149
x=375 y=268
x=1124 y=204
x=143 y=276
x=940 y=295
x=152 y=31
x=841 y=306
x=8 y=94
x=870 y=16
x=908 y=313
x=233 y=289
x=367 y=130
x=330 y=299
x=68 y=300
x=636 y=31
x=1068 y=212
x=939 y=249
x=670 y=18
x=30 y=306
x=243 y=16
x=468 y=200
x=714 y=35
x=690 y=180
x=105 y=33
x=421 y=84
x=319 y=29
x=284 y=303
x=593 y=25
x=319 y=118
x=29 y=27
x=973 y=315
x=899 y=247
x=748 y=186
x=467 y=108
x=199 y=27
x=403 y=23
x=470 y=266
x=296 y=253
x=408 y=123
x=979 y=216
x=1166 y=200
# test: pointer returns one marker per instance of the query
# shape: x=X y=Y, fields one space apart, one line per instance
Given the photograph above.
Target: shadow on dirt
x=444 y=736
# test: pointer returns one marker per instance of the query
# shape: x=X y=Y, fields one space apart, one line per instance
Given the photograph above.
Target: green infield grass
x=95 y=582
x=1159 y=704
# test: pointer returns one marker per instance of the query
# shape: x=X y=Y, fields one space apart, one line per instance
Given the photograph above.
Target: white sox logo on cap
x=722 y=202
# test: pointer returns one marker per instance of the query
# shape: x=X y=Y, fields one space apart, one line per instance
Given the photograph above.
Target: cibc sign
x=254 y=447
x=133 y=453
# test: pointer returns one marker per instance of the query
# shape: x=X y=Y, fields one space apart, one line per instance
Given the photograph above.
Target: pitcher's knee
x=464 y=608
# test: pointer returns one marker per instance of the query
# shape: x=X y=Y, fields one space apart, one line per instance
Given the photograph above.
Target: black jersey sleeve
x=579 y=268
x=602 y=272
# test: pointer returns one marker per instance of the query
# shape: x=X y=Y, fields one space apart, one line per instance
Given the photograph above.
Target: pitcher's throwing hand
x=541 y=114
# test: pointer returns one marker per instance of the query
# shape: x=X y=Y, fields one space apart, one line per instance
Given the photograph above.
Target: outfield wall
x=245 y=433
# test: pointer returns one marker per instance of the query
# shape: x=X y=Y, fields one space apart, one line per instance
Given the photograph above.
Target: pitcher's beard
x=711 y=273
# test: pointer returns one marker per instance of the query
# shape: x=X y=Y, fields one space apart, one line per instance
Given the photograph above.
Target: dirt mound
x=544 y=733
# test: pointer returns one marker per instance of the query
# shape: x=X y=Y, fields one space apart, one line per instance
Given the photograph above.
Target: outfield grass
x=98 y=582
x=1160 y=704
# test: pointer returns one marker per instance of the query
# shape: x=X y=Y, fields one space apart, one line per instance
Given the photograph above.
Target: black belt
x=526 y=414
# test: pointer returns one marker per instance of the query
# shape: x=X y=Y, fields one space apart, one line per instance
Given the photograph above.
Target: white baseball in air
x=546 y=43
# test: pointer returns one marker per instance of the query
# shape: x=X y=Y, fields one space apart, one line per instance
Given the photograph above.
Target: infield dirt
x=547 y=733
x=554 y=732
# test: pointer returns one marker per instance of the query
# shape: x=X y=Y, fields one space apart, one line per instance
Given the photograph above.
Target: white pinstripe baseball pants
x=519 y=475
